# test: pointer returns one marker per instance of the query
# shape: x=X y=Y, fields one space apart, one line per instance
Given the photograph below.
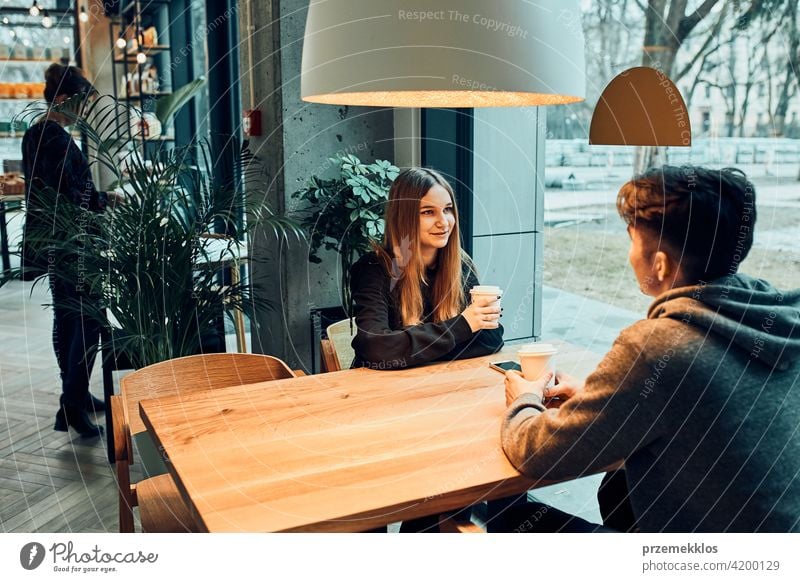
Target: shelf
x=160 y=138
x=141 y=96
x=132 y=22
x=130 y=56
x=62 y=18
x=145 y=8
x=56 y=13
x=20 y=134
x=27 y=60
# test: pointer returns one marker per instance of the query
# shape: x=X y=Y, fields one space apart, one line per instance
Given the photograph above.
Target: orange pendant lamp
x=641 y=107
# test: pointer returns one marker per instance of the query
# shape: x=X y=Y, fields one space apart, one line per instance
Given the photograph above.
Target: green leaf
x=168 y=105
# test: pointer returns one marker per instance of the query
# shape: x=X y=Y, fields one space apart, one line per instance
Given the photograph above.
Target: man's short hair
x=703 y=217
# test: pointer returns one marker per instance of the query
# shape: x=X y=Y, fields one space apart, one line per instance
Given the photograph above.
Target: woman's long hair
x=401 y=252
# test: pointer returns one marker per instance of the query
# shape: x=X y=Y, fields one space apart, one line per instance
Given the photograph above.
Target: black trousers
x=615 y=505
x=494 y=510
x=75 y=339
x=537 y=517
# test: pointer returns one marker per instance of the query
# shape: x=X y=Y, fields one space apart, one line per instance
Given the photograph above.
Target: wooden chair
x=449 y=524
x=161 y=507
x=328 y=361
x=336 y=351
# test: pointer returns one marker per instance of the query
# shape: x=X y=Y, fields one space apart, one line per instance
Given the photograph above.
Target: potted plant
x=345 y=212
x=152 y=264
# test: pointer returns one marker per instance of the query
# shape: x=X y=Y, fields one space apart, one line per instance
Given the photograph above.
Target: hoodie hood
x=749 y=313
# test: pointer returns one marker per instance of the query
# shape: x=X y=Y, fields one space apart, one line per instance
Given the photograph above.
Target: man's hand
x=516 y=385
x=565 y=388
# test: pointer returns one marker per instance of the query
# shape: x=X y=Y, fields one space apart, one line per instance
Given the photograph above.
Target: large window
x=734 y=74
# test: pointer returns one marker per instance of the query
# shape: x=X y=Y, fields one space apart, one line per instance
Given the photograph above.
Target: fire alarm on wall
x=251 y=123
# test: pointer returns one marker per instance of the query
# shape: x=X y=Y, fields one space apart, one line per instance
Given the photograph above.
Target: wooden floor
x=49 y=481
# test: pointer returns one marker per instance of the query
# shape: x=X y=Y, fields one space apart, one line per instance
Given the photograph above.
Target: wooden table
x=345 y=451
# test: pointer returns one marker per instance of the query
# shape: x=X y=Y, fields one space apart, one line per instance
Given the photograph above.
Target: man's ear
x=662 y=266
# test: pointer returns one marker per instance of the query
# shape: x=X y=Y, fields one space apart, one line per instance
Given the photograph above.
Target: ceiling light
x=641 y=107
x=455 y=53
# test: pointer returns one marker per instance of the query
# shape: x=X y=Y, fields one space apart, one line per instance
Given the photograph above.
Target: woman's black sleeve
x=380 y=347
x=61 y=165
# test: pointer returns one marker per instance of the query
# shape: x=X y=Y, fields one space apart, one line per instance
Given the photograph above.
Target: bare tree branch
x=704 y=51
x=689 y=22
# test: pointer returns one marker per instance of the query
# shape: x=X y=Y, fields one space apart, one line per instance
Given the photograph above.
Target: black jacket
x=52 y=159
x=382 y=342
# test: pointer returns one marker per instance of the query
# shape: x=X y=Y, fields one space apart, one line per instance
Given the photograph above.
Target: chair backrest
x=327 y=356
x=193 y=374
x=341 y=338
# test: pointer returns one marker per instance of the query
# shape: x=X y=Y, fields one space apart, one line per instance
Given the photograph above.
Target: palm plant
x=150 y=266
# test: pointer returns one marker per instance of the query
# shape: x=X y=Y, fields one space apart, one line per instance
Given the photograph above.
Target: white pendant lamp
x=445 y=53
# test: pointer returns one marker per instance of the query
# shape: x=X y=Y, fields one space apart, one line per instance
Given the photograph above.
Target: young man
x=701 y=400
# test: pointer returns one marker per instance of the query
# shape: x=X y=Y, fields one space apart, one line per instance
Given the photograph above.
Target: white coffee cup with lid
x=488 y=291
x=535 y=359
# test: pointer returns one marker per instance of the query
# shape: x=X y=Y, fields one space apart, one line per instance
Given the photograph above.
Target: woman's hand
x=480 y=314
x=115 y=198
x=516 y=385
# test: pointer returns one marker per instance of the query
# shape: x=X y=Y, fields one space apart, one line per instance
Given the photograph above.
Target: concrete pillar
x=298 y=138
x=96 y=57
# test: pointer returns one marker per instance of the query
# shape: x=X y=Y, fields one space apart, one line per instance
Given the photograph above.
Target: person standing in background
x=52 y=160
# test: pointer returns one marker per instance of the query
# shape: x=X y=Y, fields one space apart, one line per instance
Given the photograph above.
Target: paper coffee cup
x=535 y=359
x=489 y=291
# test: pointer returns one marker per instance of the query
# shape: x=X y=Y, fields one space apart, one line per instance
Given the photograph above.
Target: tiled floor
x=49 y=481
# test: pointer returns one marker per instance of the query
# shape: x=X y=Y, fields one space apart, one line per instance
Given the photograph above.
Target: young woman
x=51 y=159
x=411 y=295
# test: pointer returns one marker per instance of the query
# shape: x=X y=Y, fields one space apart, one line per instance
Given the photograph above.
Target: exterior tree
x=790 y=74
x=668 y=23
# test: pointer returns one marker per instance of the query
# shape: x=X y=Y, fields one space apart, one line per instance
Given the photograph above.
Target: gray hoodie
x=702 y=402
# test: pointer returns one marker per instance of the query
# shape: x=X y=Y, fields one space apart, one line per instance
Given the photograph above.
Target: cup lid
x=486 y=289
x=537 y=348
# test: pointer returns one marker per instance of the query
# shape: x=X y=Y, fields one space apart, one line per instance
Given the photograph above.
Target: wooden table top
x=344 y=451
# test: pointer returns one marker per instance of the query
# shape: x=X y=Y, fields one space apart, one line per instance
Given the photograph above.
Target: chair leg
x=126 y=502
x=106 y=363
x=238 y=316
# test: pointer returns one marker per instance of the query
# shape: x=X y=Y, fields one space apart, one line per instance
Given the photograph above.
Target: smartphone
x=505 y=366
